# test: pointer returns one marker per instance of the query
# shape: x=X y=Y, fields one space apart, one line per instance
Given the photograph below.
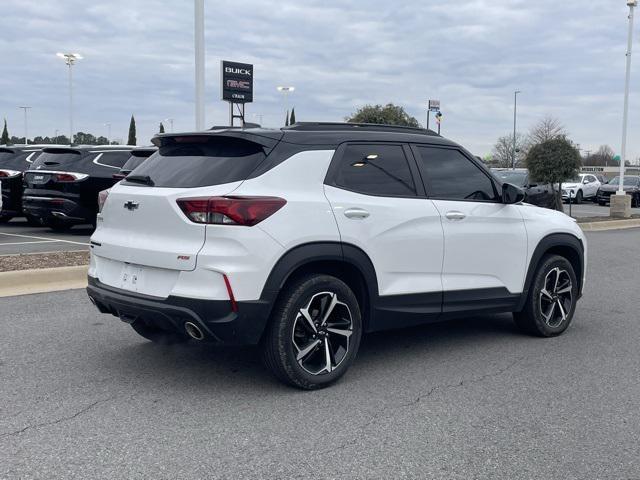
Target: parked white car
x=584 y=187
x=304 y=238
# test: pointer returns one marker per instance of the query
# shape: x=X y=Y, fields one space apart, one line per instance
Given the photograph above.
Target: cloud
x=567 y=58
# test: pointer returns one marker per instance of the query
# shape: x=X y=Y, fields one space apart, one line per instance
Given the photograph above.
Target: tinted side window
x=375 y=170
x=111 y=159
x=452 y=176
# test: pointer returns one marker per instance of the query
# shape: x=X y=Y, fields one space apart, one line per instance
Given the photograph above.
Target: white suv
x=584 y=186
x=304 y=238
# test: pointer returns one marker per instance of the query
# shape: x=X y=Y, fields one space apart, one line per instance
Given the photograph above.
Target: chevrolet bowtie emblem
x=131 y=205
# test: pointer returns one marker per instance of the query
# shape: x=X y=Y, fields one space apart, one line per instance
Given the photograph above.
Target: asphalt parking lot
x=82 y=396
x=19 y=237
x=590 y=209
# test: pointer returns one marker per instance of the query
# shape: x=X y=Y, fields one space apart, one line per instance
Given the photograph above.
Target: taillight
x=102 y=197
x=246 y=211
x=118 y=176
x=9 y=173
x=66 y=177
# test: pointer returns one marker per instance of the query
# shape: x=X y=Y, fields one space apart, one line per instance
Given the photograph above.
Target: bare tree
x=502 y=155
x=603 y=157
x=549 y=128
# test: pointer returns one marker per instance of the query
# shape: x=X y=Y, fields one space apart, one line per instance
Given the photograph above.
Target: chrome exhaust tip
x=193 y=331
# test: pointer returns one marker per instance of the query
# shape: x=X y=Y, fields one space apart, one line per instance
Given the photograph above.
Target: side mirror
x=511 y=194
x=585 y=181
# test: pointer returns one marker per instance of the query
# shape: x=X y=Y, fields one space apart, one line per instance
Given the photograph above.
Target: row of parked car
x=585 y=187
x=58 y=186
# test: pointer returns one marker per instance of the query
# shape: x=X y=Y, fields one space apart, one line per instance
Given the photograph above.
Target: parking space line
x=28 y=243
x=43 y=238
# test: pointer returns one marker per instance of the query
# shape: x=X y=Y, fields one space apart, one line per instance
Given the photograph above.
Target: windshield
x=629 y=181
x=515 y=178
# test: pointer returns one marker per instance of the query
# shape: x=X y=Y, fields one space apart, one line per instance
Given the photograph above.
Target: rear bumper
x=56 y=208
x=215 y=318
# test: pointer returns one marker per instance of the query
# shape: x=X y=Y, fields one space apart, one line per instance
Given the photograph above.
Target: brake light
x=246 y=211
x=118 y=176
x=66 y=177
x=9 y=173
x=102 y=197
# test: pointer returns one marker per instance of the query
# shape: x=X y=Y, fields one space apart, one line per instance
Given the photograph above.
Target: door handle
x=356 y=213
x=455 y=215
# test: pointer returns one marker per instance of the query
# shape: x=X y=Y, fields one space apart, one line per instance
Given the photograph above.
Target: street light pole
x=285 y=91
x=623 y=151
x=515 y=111
x=70 y=59
x=199 y=59
x=26 y=128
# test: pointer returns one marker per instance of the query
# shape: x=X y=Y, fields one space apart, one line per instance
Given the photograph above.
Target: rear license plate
x=131 y=277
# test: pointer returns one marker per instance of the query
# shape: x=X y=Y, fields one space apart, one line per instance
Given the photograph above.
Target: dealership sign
x=237 y=82
x=434 y=105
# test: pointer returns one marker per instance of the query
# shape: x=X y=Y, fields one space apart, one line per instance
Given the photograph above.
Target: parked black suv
x=631 y=186
x=62 y=185
x=138 y=155
x=13 y=161
x=540 y=194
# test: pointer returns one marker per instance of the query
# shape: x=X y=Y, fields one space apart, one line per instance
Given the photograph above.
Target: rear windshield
x=210 y=161
x=98 y=163
x=20 y=160
x=64 y=158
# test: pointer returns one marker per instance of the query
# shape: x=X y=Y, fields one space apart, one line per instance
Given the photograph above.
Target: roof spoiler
x=61 y=150
x=6 y=150
x=333 y=126
x=144 y=152
x=268 y=142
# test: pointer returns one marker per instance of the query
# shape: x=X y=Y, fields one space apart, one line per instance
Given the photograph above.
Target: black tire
x=602 y=204
x=288 y=326
x=157 y=335
x=5 y=218
x=579 y=197
x=542 y=315
x=635 y=201
x=58 y=226
x=33 y=221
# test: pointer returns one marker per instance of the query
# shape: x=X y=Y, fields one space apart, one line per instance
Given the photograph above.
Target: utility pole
x=26 y=125
x=515 y=113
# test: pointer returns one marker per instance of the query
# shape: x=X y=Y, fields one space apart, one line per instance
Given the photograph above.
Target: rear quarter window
x=114 y=160
x=201 y=162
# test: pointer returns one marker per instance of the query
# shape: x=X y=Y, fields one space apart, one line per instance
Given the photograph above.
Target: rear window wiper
x=144 y=179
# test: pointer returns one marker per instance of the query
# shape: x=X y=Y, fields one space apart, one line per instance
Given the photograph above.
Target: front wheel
x=551 y=303
x=314 y=333
x=579 y=197
x=635 y=201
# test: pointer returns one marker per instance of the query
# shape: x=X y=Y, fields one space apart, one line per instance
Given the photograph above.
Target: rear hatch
x=141 y=222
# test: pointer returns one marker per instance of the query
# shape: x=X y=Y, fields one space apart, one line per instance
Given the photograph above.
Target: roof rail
x=332 y=126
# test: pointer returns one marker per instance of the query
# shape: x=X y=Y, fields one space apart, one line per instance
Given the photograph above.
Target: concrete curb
x=610 y=225
x=24 y=282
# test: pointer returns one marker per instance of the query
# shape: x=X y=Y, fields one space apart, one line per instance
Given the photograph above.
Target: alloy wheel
x=321 y=333
x=556 y=297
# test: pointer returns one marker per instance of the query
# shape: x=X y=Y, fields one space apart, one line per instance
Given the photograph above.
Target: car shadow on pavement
x=210 y=368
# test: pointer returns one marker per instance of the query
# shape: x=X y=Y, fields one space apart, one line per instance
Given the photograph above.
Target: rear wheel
x=33 y=221
x=157 y=335
x=602 y=204
x=551 y=303
x=635 y=201
x=314 y=333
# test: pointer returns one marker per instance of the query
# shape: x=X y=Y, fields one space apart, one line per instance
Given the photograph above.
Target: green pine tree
x=161 y=128
x=132 y=132
x=4 y=140
x=286 y=120
x=292 y=119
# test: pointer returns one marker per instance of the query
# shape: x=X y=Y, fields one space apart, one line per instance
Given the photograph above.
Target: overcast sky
x=568 y=58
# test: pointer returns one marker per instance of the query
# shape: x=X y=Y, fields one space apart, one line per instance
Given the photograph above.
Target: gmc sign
x=237 y=82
